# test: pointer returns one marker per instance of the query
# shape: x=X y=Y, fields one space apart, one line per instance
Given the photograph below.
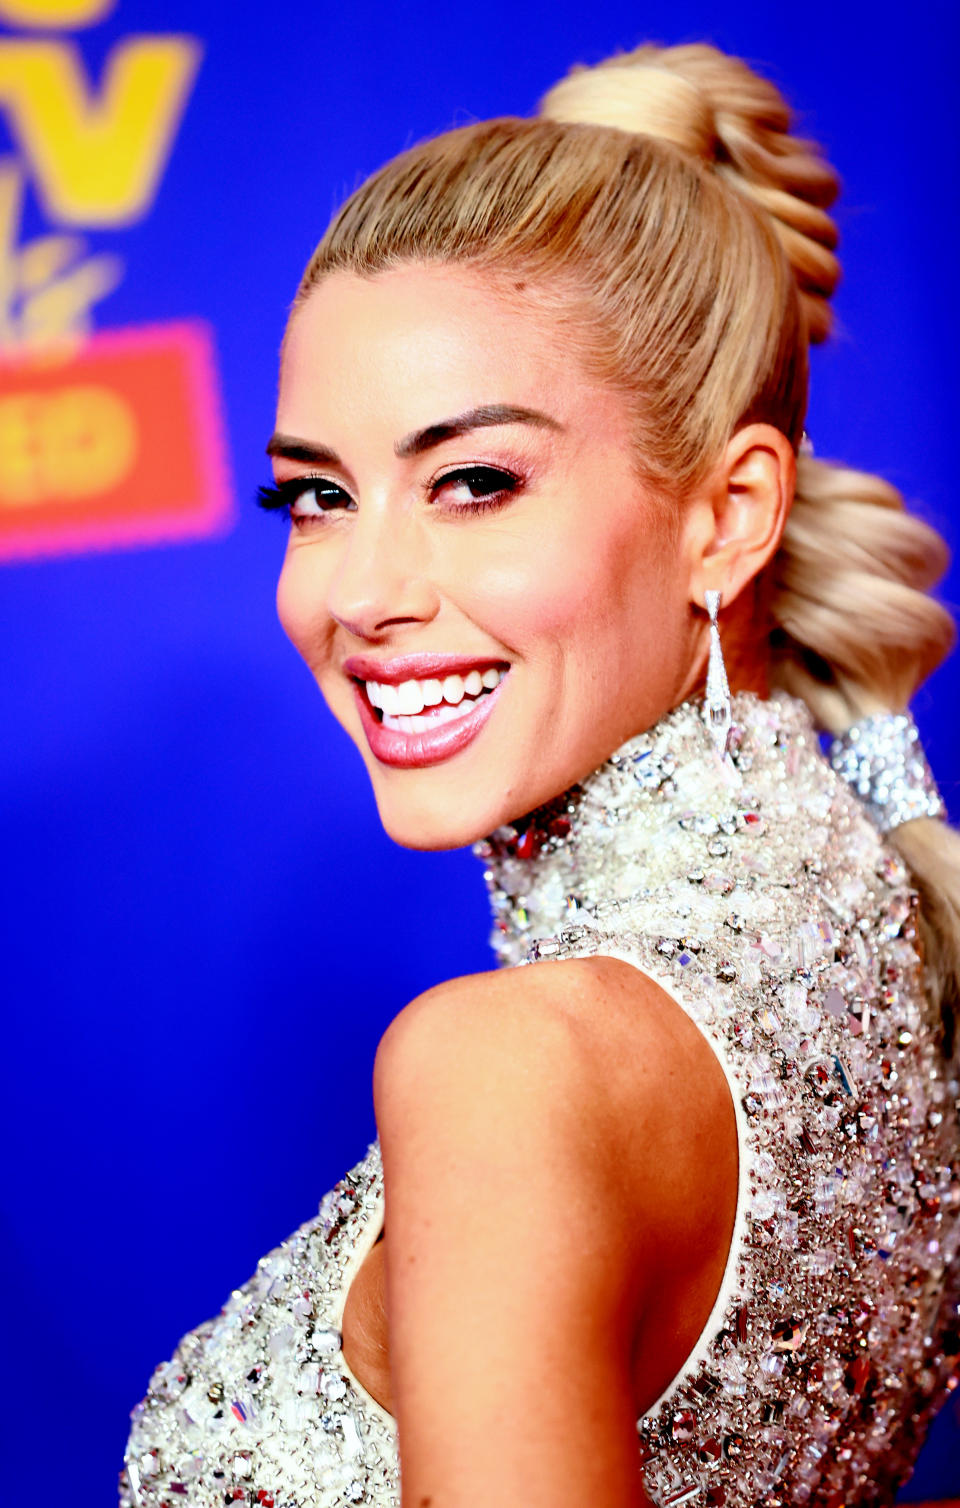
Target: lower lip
x=431 y=746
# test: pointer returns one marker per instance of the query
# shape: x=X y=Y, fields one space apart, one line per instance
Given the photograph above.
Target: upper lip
x=416 y=667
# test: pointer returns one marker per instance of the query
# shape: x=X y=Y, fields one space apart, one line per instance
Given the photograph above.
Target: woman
x=539 y=434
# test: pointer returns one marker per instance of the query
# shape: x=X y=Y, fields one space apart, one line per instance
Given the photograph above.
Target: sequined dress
x=761 y=897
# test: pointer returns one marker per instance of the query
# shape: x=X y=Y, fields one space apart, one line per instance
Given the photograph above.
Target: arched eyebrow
x=288 y=449
x=484 y=417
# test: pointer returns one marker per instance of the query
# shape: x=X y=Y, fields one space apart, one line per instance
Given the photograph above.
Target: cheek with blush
x=577 y=593
x=527 y=600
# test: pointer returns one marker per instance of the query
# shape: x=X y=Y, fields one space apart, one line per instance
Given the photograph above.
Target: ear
x=736 y=519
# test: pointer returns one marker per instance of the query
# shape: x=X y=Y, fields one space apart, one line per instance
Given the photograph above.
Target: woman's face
x=490 y=601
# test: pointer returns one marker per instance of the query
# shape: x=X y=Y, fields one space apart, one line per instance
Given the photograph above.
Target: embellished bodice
x=258 y=1407
x=759 y=895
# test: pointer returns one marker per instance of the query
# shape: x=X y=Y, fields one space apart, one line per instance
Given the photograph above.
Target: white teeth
x=410 y=697
x=448 y=714
x=420 y=724
x=403 y=706
x=443 y=714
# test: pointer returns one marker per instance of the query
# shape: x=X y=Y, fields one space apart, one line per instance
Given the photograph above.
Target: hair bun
x=717 y=109
x=636 y=96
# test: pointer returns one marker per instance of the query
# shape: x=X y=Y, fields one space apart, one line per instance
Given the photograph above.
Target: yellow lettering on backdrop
x=58 y=14
x=96 y=161
x=69 y=444
x=49 y=284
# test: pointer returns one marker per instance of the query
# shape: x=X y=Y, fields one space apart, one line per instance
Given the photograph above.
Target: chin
x=428 y=827
x=444 y=807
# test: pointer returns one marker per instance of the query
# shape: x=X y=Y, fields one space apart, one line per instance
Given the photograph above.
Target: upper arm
x=532 y=1184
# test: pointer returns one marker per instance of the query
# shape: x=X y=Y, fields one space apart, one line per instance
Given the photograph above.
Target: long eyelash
x=273 y=499
x=511 y=485
x=280 y=499
x=462 y=473
x=485 y=504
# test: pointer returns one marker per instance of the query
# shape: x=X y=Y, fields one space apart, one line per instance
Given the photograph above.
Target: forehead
x=412 y=345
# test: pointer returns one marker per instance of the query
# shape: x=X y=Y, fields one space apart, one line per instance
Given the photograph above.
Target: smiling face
x=488 y=598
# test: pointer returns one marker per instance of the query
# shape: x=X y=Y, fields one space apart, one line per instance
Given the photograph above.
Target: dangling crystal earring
x=716 y=703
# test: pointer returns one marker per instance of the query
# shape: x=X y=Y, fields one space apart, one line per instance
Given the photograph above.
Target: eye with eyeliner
x=488 y=488
x=284 y=496
x=491 y=486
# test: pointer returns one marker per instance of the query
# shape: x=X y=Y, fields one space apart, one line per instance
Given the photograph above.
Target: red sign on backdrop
x=120 y=443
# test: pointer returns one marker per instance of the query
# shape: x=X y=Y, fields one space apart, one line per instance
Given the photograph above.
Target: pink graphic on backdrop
x=119 y=442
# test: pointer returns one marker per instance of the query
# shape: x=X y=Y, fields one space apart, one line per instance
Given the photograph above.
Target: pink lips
x=431 y=745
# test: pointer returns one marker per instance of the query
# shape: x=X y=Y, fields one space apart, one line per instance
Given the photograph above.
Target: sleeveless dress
x=760 y=896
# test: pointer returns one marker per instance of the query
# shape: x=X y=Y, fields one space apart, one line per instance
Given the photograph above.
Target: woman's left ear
x=737 y=518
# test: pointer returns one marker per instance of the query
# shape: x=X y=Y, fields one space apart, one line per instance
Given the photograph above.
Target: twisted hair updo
x=664 y=211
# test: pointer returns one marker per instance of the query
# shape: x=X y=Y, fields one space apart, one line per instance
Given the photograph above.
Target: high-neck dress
x=757 y=892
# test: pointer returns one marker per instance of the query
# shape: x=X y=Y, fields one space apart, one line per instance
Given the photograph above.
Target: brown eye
x=310 y=497
x=476 y=487
x=302 y=498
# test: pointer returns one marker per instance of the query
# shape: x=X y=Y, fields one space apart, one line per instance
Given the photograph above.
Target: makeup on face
x=474 y=573
x=420 y=709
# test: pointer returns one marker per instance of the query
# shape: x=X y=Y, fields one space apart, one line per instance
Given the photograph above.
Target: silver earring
x=717 y=713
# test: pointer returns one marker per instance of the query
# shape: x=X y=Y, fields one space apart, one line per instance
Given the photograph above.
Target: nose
x=382 y=580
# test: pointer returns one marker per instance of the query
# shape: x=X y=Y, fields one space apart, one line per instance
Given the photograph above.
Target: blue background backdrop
x=205 y=931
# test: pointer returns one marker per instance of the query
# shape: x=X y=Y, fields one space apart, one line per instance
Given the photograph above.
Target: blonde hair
x=662 y=208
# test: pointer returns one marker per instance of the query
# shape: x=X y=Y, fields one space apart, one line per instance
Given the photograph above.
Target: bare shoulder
x=560 y=1163
x=525 y=1229
x=588 y=1056
x=479 y=1021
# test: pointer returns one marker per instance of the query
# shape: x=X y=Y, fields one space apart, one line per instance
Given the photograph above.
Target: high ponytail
x=855 y=634
x=855 y=631
x=721 y=112
x=663 y=209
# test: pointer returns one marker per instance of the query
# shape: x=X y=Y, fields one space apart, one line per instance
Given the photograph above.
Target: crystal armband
x=882 y=760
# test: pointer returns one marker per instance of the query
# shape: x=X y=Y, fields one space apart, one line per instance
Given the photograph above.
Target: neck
x=622 y=830
x=745 y=633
